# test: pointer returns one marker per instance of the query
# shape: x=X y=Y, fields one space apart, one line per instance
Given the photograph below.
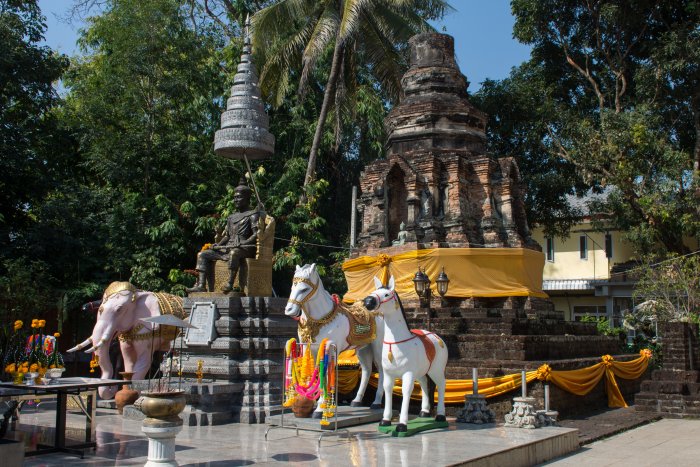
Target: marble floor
x=665 y=442
x=120 y=442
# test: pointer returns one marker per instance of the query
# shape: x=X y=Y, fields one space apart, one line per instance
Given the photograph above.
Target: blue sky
x=483 y=32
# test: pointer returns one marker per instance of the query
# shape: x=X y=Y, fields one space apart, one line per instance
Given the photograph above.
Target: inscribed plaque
x=202 y=316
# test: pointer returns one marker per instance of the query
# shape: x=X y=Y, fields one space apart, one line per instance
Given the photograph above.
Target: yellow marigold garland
x=544 y=372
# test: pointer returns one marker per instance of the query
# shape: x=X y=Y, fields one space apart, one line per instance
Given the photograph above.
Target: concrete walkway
x=667 y=442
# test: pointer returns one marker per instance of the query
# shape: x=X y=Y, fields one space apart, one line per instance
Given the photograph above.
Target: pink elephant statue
x=120 y=314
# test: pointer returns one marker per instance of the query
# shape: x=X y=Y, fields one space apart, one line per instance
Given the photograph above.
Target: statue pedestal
x=475 y=410
x=161 y=441
x=523 y=414
x=242 y=360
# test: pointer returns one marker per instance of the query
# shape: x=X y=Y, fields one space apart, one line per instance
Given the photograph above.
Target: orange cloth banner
x=579 y=382
x=473 y=272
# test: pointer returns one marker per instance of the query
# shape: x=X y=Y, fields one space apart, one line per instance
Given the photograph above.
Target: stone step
x=688 y=376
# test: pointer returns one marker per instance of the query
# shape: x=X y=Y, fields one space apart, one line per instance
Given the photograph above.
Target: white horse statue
x=321 y=316
x=409 y=355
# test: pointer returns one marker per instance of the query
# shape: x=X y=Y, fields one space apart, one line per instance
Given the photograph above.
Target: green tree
x=27 y=71
x=144 y=103
x=296 y=36
x=669 y=289
x=619 y=84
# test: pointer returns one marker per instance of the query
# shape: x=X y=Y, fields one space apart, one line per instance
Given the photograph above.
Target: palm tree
x=291 y=36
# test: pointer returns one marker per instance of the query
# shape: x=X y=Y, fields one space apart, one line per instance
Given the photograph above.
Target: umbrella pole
x=255 y=187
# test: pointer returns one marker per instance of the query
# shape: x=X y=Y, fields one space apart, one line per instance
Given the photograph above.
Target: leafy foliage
x=296 y=39
x=148 y=146
x=27 y=71
x=669 y=289
x=613 y=89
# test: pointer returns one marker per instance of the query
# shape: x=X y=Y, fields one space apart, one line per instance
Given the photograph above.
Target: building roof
x=582 y=203
x=569 y=284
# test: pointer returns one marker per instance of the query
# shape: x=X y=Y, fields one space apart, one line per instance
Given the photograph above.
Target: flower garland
x=305 y=378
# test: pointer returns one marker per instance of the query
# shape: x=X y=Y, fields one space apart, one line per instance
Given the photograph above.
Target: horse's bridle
x=302 y=302
x=391 y=297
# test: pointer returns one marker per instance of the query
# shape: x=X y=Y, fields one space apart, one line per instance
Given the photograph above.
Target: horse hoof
x=424 y=414
x=375 y=406
x=385 y=423
x=317 y=415
x=440 y=418
x=401 y=428
x=356 y=404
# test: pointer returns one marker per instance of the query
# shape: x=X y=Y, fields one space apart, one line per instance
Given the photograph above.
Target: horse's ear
x=377 y=283
x=298 y=267
x=313 y=267
x=391 y=283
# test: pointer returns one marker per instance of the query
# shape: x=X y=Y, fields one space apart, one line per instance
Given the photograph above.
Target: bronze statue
x=239 y=241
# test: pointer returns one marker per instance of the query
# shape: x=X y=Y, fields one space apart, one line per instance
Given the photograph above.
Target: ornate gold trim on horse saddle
x=363 y=327
x=309 y=329
x=169 y=305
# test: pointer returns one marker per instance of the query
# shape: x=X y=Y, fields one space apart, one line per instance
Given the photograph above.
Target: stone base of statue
x=475 y=410
x=238 y=348
x=523 y=414
x=548 y=417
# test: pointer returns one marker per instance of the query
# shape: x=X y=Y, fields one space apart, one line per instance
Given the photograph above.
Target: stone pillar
x=161 y=441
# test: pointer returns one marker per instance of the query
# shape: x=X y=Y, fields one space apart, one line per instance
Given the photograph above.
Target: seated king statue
x=239 y=241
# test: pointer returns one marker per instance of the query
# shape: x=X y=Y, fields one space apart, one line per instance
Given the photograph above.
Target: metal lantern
x=443 y=282
x=421 y=282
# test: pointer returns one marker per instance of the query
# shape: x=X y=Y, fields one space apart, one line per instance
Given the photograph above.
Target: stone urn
x=126 y=395
x=303 y=407
x=162 y=424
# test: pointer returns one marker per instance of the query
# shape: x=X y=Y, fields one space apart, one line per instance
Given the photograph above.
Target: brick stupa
x=437 y=178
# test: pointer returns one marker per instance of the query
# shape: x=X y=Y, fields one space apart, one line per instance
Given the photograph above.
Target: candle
x=524 y=384
x=546 y=397
x=475 y=381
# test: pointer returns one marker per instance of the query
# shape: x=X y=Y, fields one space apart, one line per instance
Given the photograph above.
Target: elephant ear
x=377 y=283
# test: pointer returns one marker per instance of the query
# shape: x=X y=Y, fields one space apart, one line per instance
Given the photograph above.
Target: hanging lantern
x=443 y=282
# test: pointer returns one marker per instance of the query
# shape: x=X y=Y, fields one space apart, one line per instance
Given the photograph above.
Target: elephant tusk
x=80 y=346
x=96 y=346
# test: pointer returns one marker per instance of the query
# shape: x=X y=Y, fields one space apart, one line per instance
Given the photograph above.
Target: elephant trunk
x=101 y=338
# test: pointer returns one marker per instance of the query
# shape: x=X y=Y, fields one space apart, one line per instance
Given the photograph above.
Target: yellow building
x=586 y=272
x=581 y=271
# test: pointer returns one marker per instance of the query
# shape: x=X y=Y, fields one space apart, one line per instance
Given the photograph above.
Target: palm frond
x=324 y=33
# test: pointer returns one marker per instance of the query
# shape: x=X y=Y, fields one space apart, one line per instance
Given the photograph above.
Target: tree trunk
x=325 y=107
x=696 y=151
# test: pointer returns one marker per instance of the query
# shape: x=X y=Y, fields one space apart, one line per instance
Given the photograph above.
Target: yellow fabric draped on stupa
x=473 y=272
x=579 y=382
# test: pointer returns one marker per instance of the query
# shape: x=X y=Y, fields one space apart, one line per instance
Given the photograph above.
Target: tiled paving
x=666 y=442
x=120 y=442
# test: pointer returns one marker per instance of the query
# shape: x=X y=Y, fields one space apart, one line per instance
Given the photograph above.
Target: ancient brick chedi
x=437 y=179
